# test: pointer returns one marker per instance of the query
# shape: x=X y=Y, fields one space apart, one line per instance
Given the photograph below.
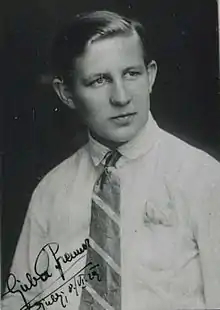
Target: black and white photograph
x=111 y=155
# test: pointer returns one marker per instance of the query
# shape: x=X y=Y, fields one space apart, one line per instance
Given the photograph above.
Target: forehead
x=111 y=53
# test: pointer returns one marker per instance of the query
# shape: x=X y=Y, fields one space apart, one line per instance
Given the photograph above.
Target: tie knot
x=111 y=158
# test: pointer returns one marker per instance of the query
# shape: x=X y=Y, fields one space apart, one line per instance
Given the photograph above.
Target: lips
x=123 y=119
x=124 y=115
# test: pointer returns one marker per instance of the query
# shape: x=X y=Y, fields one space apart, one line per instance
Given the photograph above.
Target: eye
x=100 y=81
x=132 y=74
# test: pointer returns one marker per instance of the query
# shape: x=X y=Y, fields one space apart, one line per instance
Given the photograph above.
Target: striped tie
x=104 y=293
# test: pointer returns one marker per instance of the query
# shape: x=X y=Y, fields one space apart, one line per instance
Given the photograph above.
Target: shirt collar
x=138 y=146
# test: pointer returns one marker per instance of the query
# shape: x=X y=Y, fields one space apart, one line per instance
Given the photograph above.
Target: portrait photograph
x=110 y=162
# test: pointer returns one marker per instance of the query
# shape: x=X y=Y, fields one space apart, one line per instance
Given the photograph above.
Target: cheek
x=86 y=103
x=95 y=102
x=140 y=88
x=92 y=112
x=141 y=100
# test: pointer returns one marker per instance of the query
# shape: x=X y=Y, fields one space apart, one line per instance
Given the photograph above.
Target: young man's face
x=112 y=87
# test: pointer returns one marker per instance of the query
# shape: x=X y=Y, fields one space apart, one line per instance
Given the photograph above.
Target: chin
x=117 y=138
x=128 y=136
x=123 y=140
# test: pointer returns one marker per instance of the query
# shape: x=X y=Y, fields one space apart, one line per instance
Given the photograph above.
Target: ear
x=63 y=93
x=152 y=73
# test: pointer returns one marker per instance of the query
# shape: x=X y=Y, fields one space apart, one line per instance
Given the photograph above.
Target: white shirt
x=170 y=223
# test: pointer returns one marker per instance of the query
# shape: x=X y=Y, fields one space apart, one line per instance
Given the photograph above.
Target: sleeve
x=207 y=233
x=21 y=287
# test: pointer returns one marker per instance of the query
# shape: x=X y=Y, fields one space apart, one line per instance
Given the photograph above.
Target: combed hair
x=85 y=29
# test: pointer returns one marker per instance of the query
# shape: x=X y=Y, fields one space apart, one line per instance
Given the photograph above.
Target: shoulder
x=66 y=170
x=59 y=178
x=187 y=160
x=193 y=175
x=191 y=171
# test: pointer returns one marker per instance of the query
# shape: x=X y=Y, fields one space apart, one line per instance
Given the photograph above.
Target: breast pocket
x=159 y=237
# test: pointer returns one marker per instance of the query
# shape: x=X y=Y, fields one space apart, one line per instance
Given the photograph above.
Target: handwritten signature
x=77 y=280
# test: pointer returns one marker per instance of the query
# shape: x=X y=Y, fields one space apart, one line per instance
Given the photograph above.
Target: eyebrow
x=95 y=75
x=98 y=74
x=136 y=67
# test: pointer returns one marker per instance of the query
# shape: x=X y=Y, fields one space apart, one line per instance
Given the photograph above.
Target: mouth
x=123 y=119
x=123 y=116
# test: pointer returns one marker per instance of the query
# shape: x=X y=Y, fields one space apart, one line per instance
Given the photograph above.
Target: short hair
x=85 y=29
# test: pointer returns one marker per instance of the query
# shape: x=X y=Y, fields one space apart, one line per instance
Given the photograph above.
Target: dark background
x=39 y=131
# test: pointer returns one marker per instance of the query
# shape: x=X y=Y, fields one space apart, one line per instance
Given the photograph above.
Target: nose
x=119 y=94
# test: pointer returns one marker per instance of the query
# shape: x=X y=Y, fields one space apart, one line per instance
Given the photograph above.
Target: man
x=131 y=221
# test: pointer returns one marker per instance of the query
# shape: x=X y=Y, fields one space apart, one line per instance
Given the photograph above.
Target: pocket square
x=158 y=214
